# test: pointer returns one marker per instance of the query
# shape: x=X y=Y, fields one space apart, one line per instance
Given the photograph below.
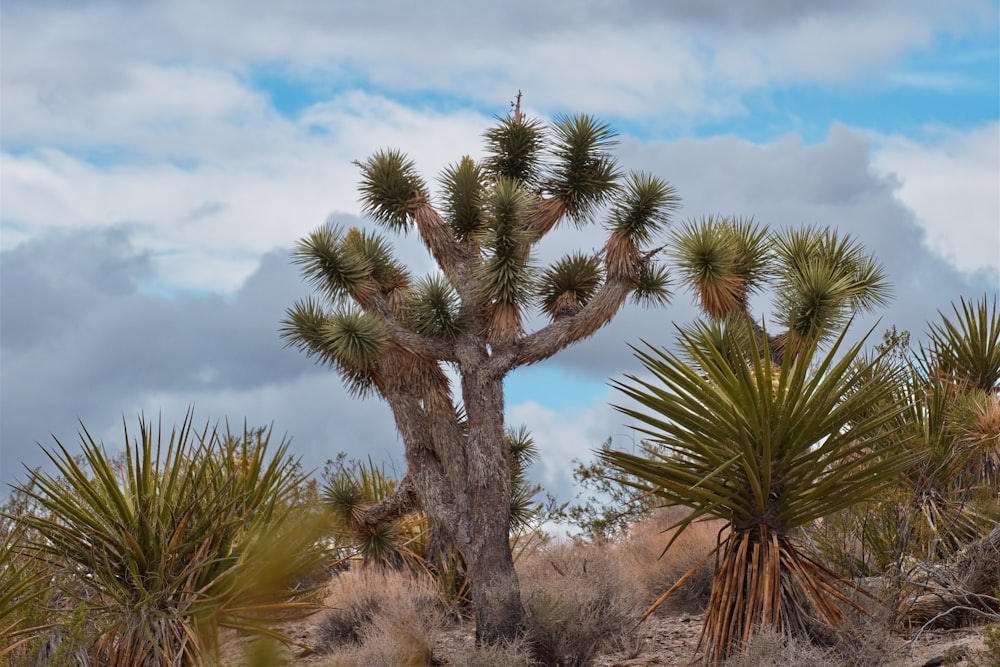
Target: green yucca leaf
x=570 y=283
x=969 y=347
x=823 y=275
x=584 y=174
x=163 y=544
x=374 y=253
x=652 y=288
x=514 y=149
x=326 y=265
x=304 y=328
x=644 y=207
x=706 y=254
x=344 y=497
x=464 y=197
x=814 y=304
x=757 y=442
x=754 y=255
x=433 y=308
x=390 y=186
x=355 y=339
x=505 y=276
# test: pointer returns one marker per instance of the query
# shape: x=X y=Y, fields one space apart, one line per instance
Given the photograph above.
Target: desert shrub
x=768 y=648
x=161 y=548
x=517 y=653
x=578 y=599
x=379 y=605
x=657 y=570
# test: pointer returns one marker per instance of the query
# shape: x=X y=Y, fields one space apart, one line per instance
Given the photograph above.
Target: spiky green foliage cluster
x=192 y=532
x=487 y=218
x=968 y=348
x=769 y=448
x=819 y=278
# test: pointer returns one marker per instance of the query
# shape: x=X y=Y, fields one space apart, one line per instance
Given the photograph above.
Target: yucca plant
x=968 y=349
x=770 y=448
x=24 y=584
x=189 y=533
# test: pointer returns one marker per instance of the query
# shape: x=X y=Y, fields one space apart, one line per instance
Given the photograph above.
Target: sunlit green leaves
x=433 y=309
x=390 y=186
x=824 y=277
x=325 y=263
x=644 y=207
x=464 y=196
x=185 y=536
x=514 y=149
x=969 y=346
x=504 y=275
x=568 y=285
x=652 y=288
x=753 y=441
x=584 y=173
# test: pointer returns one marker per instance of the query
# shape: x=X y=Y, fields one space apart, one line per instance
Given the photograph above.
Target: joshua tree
x=390 y=334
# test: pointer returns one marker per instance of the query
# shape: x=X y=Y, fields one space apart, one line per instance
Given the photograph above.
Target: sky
x=159 y=160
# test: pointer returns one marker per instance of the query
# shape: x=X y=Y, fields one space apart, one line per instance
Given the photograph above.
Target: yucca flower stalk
x=192 y=532
x=769 y=448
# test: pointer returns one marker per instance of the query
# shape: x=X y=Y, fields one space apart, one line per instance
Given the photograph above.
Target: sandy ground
x=672 y=640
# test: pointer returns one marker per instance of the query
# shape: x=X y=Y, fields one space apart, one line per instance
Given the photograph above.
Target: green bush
x=183 y=536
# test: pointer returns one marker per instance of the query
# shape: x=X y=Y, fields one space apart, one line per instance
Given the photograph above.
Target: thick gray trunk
x=495 y=588
x=463 y=482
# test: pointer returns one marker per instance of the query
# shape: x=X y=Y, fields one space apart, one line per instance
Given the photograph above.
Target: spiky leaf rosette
x=326 y=264
x=514 y=149
x=390 y=189
x=567 y=286
x=523 y=451
x=464 y=195
x=350 y=340
x=768 y=448
x=584 y=174
x=433 y=308
x=384 y=274
x=192 y=532
x=505 y=278
x=644 y=207
x=824 y=279
x=969 y=347
x=652 y=285
x=706 y=256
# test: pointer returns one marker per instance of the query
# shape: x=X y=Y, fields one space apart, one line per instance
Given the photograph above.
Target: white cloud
x=951 y=180
x=207 y=224
x=562 y=436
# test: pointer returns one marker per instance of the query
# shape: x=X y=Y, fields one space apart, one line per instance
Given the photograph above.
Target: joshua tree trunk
x=462 y=480
x=494 y=584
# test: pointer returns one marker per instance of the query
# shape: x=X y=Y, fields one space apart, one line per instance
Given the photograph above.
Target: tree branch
x=562 y=333
x=402 y=501
x=411 y=341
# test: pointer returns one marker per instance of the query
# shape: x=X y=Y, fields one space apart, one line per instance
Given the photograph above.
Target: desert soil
x=671 y=640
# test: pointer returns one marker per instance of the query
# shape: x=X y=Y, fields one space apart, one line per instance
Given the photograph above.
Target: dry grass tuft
x=377 y=612
x=768 y=648
x=642 y=550
x=516 y=653
x=578 y=600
